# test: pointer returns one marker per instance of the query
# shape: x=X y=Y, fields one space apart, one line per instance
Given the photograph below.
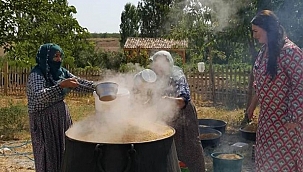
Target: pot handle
x=98 y=154
x=131 y=157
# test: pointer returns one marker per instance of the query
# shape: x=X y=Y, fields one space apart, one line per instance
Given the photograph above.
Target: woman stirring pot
x=175 y=88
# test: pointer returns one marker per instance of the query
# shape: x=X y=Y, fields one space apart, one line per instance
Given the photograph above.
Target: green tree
x=129 y=26
x=34 y=22
x=154 y=17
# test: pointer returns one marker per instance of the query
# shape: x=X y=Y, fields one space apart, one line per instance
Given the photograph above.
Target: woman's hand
x=250 y=112
x=69 y=83
x=252 y=107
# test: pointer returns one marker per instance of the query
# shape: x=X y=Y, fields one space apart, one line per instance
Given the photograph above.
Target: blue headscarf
x=50 y=69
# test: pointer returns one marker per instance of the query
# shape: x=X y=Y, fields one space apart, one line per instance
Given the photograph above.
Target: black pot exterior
x=154 y=156
x=248 y=135
x=213 y=123
x=210 y=142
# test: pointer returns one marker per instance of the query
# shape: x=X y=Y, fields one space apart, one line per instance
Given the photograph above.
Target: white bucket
x=144 y=77
x=103 y=106
x=201 y=66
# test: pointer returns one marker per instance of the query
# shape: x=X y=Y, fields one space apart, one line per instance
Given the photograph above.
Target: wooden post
x=212 y=77
x=5 y=74
x=183 y=54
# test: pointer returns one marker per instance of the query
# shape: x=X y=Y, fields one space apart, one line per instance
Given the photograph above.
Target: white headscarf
x=175 y=71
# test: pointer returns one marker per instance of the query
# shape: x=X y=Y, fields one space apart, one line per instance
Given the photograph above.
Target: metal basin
x=248 y=135
x=107 y=91
x=209 y=137
x=213 y=123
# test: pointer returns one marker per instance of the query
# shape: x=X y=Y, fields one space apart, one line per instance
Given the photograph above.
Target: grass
x=78 y=107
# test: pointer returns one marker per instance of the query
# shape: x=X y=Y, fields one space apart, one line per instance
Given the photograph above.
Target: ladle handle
x=88 y=87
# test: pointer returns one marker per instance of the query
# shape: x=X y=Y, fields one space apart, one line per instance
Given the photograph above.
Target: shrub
x=13 y=119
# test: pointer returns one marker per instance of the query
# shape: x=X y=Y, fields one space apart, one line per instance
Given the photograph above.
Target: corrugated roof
x=154 y=43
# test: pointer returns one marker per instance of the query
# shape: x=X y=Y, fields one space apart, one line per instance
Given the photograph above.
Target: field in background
x=106 y=44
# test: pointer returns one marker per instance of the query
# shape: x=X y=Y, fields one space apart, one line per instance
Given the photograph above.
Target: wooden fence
x=222 y=85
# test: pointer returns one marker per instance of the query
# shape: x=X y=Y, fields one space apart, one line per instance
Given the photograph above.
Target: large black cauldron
x=154 y=156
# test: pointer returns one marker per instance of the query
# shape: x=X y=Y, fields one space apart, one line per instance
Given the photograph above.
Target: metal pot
x=145 y=156
x=213 y=123
x=210 y=142
x=107 y=91
x=248 y=135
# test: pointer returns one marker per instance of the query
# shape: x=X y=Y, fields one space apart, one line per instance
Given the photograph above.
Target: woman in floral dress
x=278 y=81
x=48 y=83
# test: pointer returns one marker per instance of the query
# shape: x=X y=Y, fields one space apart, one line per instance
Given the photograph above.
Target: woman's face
x=57 y=57
x=161 y=66
x=259 y=34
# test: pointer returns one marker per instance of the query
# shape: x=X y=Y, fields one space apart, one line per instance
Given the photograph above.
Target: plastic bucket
x=201 y=66
x=226 y=165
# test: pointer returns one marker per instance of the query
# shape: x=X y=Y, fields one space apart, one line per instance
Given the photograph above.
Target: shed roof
x=154 y=43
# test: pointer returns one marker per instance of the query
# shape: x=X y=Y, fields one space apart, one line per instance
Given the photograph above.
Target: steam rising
x=137 y=110
x=222 y=11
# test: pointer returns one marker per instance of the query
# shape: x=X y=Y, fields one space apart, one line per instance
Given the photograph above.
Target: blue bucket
x=226 y=165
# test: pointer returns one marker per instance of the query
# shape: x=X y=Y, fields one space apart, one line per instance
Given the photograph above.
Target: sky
x=100 y=16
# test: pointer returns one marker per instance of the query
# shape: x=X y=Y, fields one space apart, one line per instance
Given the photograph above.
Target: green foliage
x=130 y=68
x=141 y=58
x=13 y=119
x=154 y=17
x=129 y=26
x=34 y=22
x=101 y=59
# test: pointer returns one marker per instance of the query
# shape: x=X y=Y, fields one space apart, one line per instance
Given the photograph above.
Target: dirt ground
x=16 y=156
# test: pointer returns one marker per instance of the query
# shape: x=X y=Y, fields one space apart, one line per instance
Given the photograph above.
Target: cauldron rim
x=216 y=154
x=219 y=133
x=122 y=143
x=245 y=131
x=223 y=123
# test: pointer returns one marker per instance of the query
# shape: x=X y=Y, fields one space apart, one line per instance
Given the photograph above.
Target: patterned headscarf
x=51 y=70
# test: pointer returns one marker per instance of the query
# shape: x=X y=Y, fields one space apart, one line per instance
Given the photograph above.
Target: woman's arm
x=39 y=93
x=183 y=93
x=293 y=65
x=84 y=82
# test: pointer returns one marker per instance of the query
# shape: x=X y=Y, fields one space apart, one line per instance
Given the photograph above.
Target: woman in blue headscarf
x=48 y=83
x=174 y=87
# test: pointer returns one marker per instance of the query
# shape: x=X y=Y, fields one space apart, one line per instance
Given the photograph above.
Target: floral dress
x=279 y=149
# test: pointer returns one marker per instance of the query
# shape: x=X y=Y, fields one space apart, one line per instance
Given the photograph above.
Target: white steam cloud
x=114 y=118
x=222 y=11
